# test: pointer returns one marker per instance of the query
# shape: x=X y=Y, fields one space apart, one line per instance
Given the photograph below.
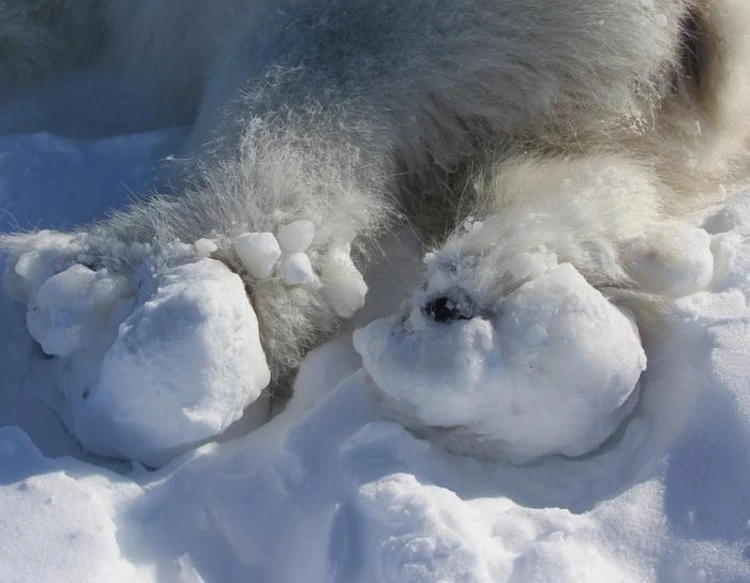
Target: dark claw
x=444 y=309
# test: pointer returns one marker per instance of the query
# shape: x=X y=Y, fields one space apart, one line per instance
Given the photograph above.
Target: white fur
x=563 y=124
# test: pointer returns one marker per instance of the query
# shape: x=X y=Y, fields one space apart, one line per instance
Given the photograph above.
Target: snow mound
x=183 y=366
x=555 y=371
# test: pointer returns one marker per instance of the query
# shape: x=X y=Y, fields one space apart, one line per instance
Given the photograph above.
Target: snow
x=332 y=489
x=259 y=253
x=50 y=253
x=296 y=269
x=182 y=368
x=673 y=259
x=205 y=247
x=554 y=373
x=70 y=310
x=296 y=237
x=343 y=286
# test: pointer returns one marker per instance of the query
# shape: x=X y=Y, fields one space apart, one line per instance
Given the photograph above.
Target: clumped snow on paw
x=673 y=259
x=44 y=254
x=296 y=237
x=150 y=367
x=296 y=269
x=70 y=310
x=334 y=274
x=183 y=366
x=553 y=371
x=343 y=287
x=259 y=253
x=205 y=247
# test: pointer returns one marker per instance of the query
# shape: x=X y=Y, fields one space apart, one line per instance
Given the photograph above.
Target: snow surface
x=331 y=489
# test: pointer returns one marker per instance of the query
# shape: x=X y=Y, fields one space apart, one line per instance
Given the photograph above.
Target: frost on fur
x=525 y=141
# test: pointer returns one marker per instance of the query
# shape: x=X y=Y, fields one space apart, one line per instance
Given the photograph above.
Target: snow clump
x=259 y=253
x=554 y=370
x=673 y=259
x=183 y=367
x=71 y=309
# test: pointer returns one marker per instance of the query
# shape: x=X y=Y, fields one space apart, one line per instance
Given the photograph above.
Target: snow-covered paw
x=305 y=258
x=149 y=363
x=184 y=364
x=553 y=368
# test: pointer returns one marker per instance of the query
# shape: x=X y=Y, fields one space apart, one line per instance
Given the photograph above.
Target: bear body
x=498 y=129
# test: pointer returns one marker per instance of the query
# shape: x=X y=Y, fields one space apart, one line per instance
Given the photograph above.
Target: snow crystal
x=552 y=372
x=70 y=310
x=296 y=269
x=296 y=237
x=258 y=252
x=182 y=368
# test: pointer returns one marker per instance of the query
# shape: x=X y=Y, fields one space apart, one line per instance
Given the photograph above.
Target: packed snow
x=182 y=368
x=259 y=253
x=297 y=270
x=70 y=310
x=333 y=488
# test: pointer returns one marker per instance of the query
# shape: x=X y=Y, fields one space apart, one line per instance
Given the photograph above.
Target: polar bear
x=511 y=134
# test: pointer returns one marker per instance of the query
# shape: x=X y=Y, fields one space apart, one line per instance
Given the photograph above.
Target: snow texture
x=331 y=490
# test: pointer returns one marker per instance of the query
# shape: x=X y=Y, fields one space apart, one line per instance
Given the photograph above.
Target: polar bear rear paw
x=553 y=368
